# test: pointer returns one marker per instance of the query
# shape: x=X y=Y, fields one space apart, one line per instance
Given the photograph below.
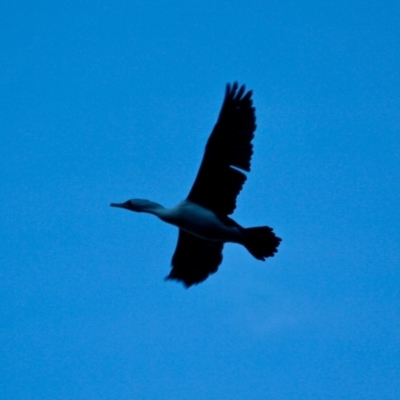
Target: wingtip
x=247 y=96
x=240 y=92
x=237 y=91
x=185 y=284
x=234 y=87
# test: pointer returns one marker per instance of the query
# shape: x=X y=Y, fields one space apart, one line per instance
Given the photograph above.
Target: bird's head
x=138 y=205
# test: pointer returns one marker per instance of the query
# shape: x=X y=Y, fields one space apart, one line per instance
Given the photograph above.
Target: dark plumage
x=204 y=225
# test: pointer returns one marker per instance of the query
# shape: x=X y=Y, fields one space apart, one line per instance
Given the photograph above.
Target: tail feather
x=261 y=242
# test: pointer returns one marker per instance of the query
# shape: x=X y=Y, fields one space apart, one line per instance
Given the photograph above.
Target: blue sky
x=103 y=101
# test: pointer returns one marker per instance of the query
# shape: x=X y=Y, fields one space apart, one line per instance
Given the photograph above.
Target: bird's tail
x=261 y=242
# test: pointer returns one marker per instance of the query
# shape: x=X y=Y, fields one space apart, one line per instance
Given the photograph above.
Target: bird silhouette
x=203 y=217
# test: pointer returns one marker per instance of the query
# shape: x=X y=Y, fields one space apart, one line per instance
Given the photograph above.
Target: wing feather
x=194 y=259
x=218 y=184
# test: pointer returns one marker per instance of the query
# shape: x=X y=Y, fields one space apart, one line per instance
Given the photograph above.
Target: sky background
x=102 y=101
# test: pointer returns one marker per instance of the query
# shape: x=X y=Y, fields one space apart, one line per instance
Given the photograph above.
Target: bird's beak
x=120 y=205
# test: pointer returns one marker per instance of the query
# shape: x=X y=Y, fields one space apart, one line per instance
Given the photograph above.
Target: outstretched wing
x=217 y=184
x=195 y=259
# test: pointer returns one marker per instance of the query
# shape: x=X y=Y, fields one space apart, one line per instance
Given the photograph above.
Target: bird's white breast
x=199 y=221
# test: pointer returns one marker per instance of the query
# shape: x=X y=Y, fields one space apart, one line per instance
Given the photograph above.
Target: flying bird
x=202 y=219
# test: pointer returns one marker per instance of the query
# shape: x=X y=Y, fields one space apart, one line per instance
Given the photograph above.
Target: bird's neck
x=154 y=208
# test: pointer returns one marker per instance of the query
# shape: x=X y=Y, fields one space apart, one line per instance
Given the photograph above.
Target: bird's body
x=201 y=222
x=193 y=219
x=202 y=218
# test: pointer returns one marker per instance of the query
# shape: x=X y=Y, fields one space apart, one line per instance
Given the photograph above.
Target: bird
x=203 y=217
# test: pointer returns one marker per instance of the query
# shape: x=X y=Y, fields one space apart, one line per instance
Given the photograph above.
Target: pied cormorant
x=202 y=219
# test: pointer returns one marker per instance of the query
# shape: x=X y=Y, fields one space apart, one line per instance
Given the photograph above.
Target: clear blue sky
x=102 y=101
